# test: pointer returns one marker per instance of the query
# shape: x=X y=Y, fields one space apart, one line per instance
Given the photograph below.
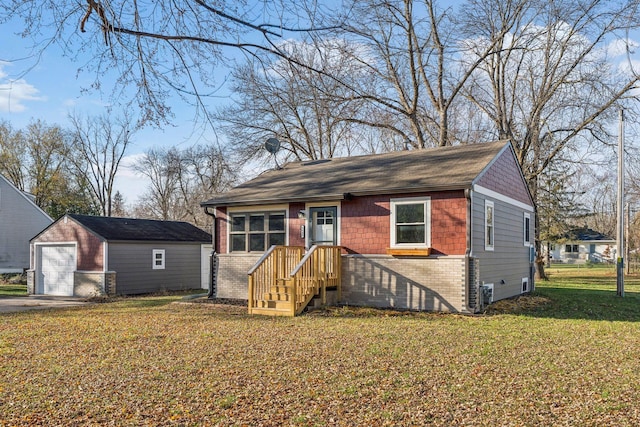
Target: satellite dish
x=272 y=145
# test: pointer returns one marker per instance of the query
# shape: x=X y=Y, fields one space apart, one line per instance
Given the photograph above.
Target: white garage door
x=56 y=267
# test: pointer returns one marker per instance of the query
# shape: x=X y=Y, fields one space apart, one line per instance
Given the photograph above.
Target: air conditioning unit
x=487 y=293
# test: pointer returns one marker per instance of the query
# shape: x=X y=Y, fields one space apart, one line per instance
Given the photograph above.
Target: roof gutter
x=340 y=196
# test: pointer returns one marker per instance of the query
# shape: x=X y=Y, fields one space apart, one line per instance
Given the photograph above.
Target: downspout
x=213 y=264
x=468 y=193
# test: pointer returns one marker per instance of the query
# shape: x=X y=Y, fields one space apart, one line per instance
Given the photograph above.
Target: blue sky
x=49 y=88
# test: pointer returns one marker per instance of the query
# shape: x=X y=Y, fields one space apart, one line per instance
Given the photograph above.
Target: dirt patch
x=519 y=304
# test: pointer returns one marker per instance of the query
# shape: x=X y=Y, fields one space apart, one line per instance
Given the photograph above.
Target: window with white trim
x=525 y=284
x=256 y=231
x=527 y=229
x=157 y=259
x=411 y=222
x=489 y=228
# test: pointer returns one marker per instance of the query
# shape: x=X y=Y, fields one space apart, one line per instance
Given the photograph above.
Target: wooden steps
x=285 y=279
x=279 y=297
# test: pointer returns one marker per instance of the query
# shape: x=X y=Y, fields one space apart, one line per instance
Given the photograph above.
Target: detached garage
x=81 y=255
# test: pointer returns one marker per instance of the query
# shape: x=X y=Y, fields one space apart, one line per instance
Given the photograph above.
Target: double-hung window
x=256 y=231
x=488 y=225
x=411 y=222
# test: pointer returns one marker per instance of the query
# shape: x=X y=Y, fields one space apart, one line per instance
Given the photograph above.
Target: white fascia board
x=501 y=197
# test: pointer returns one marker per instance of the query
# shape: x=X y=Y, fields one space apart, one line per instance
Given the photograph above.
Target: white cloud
x=619 y=47
x=14 y=93
x=130 y=183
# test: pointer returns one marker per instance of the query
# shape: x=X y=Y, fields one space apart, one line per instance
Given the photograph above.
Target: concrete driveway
x=37 y=302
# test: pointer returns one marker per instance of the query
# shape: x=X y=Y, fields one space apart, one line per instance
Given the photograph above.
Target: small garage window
x=158 y=259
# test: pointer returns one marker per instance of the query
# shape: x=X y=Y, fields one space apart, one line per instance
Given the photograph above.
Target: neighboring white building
x=581 y=245
x=20 y=220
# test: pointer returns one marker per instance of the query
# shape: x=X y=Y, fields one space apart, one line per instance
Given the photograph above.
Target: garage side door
x=57 y=264
x=205 y=262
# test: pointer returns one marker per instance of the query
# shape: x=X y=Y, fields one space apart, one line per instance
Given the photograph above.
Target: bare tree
x=203 y=171
x=305 y=110
x=414 y=50
x=549 y=85
x=161 y=166
x=180 y=180
x=36 y=159
x=47 y=149
x=161 y=48
x=99 y=144
x=12 y=155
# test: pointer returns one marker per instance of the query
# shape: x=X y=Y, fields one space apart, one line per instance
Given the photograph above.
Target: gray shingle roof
x=586 y=234
x=433 y=169
x=142 y=229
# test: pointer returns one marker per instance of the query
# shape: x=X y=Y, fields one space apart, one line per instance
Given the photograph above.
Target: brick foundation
x=233 y=281
x=431 y=284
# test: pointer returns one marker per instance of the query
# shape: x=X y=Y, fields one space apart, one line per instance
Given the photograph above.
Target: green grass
x=589 y=293
x=567 y=357
x=12 y=290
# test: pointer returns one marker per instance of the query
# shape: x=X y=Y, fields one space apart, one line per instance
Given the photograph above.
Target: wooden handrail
x=261 y=260
x=303 y=260
x=289 y=279
x=319 y=268
x=273 y=266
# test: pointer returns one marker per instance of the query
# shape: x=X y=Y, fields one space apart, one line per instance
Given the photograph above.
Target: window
x=574 y=249
x=525 y=284
x=488 y=225
x=157 y=258
x=527 y=229
x=410 y=222
x=256 y=231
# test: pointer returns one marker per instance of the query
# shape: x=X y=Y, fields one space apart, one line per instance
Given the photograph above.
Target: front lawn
x=12 y=285
x=570 y=360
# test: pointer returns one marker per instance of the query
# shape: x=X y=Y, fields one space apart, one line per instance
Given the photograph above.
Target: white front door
x=324 y=225
x=56 y=266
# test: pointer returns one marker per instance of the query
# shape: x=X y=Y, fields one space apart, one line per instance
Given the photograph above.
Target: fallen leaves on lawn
x=151 y=363
x=517 y=304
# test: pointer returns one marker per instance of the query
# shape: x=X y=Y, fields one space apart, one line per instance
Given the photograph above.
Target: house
x=580 y=245
x=20 y=220
x=439 y=229
x=84 y=255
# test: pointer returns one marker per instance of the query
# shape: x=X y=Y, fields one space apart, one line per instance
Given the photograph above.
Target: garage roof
x=111 y=228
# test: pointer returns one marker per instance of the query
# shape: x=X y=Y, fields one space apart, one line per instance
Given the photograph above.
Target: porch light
x=302 y=214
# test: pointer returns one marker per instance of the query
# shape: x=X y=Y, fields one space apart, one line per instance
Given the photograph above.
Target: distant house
x=85 y=255
x=20 y=220
x=583 y=244
x=437 y=229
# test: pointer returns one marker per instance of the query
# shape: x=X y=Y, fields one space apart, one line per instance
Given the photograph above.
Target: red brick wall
x=221 y=231
x=90 y=248
x=365 y=223
x=449 y=223
x=294 y=224
x=504 y=177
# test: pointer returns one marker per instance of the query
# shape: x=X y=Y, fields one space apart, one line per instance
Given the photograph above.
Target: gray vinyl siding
x=132 y=263
x=20 y=220
x=509 y=261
